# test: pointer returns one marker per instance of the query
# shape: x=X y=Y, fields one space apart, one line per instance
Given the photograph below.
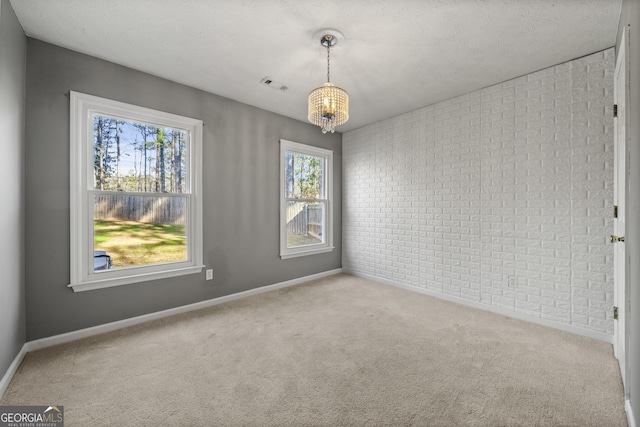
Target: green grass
x=301 y=240
x=131 y=243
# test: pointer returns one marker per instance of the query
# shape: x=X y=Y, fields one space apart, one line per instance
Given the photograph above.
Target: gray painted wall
x=631 y=16
x=12 y=82
x=241 y=190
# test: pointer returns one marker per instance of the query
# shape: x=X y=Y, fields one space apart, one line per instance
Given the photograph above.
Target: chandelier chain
x=328 y=59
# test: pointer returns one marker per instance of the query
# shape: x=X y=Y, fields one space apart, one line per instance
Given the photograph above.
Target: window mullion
x=293 y=199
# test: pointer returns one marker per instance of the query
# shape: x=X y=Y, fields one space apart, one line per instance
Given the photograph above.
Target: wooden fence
x=157 y=209
x=304 y=219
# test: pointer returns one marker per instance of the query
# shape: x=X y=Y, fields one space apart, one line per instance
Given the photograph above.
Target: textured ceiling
x=397 y=55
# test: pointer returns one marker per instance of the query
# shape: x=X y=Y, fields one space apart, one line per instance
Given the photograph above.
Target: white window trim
x=327 y=246
x=82 y=276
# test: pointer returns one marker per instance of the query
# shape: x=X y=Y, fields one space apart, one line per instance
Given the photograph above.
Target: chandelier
x=328 y=104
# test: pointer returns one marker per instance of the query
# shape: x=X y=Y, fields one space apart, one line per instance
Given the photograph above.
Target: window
x=136 y=199
x=305 y=199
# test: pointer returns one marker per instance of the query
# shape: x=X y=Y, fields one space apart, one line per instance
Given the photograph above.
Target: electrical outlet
x=209 y=274
x=512 y=282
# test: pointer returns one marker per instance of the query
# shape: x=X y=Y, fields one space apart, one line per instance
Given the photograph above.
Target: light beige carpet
x=338 y=351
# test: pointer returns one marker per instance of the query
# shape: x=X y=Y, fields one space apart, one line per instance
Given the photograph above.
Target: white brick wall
x=514 y=180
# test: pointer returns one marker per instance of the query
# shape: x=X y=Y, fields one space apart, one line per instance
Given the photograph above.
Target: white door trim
x=621 y=136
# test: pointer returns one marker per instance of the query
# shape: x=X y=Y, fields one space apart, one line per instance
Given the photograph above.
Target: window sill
x=91 y=285
x=305 y=252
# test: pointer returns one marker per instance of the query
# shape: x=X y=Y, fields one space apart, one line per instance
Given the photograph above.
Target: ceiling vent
x=267 y=81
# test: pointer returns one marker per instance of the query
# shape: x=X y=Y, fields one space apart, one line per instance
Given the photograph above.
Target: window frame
x=82 y=276
x=327 y=246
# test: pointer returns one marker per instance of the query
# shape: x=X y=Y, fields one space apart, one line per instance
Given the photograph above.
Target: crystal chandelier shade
x=328 y=107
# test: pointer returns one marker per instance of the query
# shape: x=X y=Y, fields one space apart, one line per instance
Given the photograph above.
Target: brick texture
x=502 y=196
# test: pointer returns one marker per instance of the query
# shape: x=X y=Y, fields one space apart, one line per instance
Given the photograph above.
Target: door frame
x=621 y=287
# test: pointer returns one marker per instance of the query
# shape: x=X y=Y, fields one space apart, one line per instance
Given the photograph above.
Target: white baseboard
x=108 y=327
x=13 y=368
x=629 y=410
x=600 y=336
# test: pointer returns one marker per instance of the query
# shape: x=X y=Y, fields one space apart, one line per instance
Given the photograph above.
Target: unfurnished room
x=337 y=213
